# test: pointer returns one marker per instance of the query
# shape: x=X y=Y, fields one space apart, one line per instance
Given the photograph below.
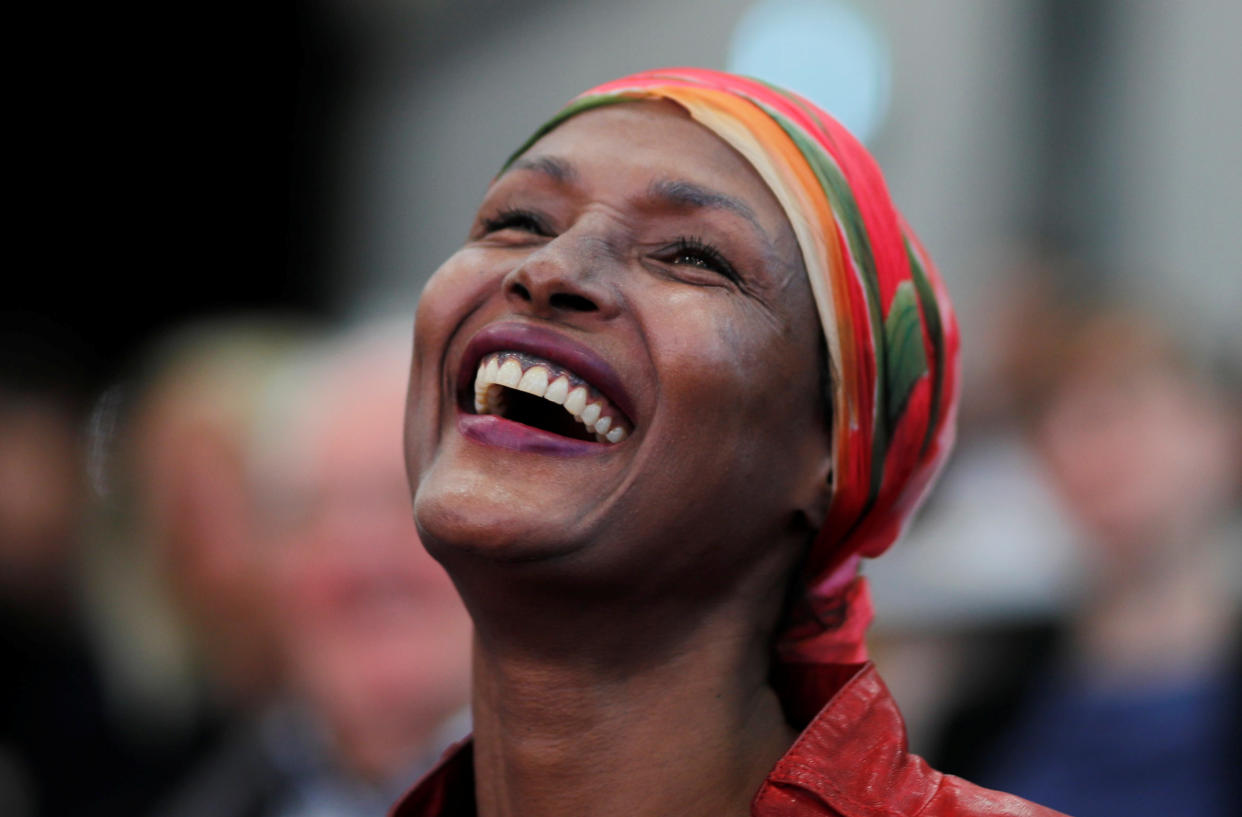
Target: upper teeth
x=501 y=370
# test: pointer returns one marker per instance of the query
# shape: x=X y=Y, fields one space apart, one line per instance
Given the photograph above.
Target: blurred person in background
x=192 y=516
x=371 y=635
x=1133 y=704
x=173 y=606
x=66 y=746
x=51 y=690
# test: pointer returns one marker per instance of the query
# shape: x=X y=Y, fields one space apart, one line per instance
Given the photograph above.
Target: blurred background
x=229 y=208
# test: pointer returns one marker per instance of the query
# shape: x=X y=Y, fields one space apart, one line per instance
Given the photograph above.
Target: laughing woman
x=688 y=368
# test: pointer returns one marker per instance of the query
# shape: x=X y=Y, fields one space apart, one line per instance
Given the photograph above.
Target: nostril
x=544 y=286
x=572 y=303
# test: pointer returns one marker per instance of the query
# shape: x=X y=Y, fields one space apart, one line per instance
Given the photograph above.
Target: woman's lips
x=497 y=431
x=566 y=385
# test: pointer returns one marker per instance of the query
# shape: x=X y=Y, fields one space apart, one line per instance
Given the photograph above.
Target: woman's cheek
x=453 y=292
x=443 y=291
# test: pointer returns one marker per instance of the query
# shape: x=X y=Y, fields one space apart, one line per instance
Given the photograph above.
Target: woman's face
x=637 y=268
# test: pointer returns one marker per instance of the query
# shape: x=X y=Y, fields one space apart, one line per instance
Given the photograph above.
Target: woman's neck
x=693 y=733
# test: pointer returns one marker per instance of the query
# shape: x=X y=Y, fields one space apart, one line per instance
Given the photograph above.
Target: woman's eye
x=523 y=221
x=694 y=253
x=694 y=261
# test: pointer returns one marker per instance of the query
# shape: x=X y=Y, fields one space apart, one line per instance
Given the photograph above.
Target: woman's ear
x=819 y=483
x=819 y=496
x=818 y=448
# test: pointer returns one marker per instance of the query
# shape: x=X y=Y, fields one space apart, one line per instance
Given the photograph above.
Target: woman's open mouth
x=535 y=392
x=545 y=392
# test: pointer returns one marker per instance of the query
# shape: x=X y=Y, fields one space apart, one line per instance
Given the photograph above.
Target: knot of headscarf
x=890 y=330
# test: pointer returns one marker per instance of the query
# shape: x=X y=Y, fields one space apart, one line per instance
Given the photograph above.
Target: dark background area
x=171 y=164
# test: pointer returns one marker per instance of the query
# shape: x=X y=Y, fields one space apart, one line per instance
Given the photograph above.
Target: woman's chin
x=456 y=518
x=511 y=504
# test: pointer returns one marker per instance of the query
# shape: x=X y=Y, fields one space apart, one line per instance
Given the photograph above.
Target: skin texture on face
x=635 y=234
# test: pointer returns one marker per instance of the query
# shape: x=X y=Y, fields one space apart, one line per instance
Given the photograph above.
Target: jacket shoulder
x=956 y=797
x=852 y=760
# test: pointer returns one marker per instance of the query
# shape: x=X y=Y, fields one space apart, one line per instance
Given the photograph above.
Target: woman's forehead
x=656 y=136
x=654 y=146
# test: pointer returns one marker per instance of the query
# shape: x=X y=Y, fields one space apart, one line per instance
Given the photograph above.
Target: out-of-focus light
x=825 y=50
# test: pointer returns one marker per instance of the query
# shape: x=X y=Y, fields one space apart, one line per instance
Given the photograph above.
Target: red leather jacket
x=851 y=761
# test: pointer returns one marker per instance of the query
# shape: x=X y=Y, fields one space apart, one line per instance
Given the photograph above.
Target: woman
x=688 y=368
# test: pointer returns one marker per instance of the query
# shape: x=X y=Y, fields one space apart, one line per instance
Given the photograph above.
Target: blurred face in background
x=375 y=635
x=189 y=448
x=1141 y=451
x=40 y=499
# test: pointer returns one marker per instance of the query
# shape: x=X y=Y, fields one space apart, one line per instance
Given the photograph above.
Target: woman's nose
x=561 y=278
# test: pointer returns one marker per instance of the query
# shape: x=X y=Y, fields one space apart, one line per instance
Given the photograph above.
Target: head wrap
x=890 y=331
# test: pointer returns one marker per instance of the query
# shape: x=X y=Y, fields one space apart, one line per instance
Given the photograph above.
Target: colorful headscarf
x=890 y=330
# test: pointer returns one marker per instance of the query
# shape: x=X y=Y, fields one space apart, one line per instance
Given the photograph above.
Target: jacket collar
x=853 y=755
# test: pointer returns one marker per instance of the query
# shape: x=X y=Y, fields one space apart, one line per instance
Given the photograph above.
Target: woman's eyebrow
x=681 y=193
x=558 y=169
